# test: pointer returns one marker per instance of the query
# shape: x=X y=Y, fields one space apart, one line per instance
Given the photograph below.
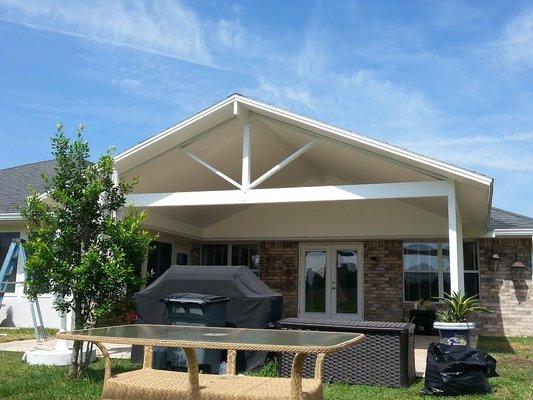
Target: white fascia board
x=11 y=217
x=519 y=232
x=175 y=128
x=369 y=142
x=292 y=195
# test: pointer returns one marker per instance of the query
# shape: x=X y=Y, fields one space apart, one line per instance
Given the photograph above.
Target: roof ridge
x=25 y=165
x=513 y=213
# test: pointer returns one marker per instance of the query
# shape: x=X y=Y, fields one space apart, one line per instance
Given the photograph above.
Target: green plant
x=78 y=250
x=423 y=304
x=459 y=307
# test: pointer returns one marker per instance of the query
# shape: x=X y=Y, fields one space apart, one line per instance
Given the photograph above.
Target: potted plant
x=451 y=322
x=423 y=317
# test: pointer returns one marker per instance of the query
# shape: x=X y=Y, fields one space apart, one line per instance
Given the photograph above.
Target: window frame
x=230 y=252
x=440 y=267
x=475 y=271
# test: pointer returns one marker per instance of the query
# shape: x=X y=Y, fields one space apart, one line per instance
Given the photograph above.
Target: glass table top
x=223 y=338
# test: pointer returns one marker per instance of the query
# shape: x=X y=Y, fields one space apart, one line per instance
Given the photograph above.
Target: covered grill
x=252 y=304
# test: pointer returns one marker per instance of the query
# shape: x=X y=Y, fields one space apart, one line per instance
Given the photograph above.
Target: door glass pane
x=315 y=281
x=347 y=281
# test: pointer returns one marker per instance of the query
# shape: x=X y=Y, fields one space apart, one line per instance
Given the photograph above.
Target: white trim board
x=292 y=195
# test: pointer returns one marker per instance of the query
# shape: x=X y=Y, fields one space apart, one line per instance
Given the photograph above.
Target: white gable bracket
x=212 y=169
x=283 y=163
x=292 y=195
x=246 y=160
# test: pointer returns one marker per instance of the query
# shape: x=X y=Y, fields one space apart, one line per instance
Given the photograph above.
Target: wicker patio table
x=148 y=383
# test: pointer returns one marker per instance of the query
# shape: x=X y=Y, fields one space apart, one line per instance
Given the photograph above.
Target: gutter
x=519 y=232
x=11 y=217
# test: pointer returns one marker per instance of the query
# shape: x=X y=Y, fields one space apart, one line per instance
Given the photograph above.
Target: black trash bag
x=457 y=370
x=489 y=361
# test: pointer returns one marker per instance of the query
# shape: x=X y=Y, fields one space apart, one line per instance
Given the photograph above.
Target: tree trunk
x=77 y=366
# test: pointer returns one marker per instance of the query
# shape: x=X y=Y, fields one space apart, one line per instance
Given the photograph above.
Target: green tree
x=78 y=249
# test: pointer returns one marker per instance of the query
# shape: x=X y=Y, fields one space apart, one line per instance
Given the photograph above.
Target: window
x=159 y=259
x=471 y=260
x=246 y=254
x=231 y=254
x=5 y=241
x=422 y=266
x=427 y=270
x=214 y=254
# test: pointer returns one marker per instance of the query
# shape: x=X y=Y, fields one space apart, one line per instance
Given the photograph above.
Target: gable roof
x=474 y=190
x=235 y=103
x=15 y=181
x=501 y=219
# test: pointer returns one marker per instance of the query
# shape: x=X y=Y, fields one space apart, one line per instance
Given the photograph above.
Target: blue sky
x=452 y=80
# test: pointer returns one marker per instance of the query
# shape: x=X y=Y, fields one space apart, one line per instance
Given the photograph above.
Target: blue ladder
x=16 y=251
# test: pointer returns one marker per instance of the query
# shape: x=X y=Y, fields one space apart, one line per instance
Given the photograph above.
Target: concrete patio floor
x=124 y=351
x=21 y=346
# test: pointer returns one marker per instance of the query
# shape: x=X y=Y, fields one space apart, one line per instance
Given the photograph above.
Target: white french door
x=331 y=281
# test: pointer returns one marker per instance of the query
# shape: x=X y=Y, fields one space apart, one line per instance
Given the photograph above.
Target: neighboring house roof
x=501 y=219
x=15 y=181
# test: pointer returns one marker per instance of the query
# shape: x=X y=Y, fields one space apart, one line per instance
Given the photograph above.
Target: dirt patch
x=521 y=361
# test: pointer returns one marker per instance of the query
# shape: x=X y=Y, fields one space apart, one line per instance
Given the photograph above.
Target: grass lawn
x=21 y=381
x=11 y=334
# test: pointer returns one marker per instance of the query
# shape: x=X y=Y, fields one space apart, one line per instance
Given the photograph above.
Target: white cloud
x=230 y=33
x=165 y=27
x=516 y=44
x=477 y=139
x=127 y=84
x=281 y=94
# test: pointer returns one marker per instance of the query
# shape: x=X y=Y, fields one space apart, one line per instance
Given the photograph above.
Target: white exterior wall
x=18 y=305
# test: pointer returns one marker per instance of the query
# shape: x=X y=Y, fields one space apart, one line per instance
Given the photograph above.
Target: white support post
x=455 y=237
x=114 y=179
x=212 y=169
x=246 y=156
x=283 y=163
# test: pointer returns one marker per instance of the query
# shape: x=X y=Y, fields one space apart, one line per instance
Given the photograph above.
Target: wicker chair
x=148 y=383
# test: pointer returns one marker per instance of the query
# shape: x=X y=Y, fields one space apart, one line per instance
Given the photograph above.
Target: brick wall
x=509 y=299
x=279 y=270
x=383 y=284
x=382 y=277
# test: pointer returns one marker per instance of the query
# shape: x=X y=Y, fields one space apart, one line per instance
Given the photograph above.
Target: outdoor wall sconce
x=496 y=260
x=517 y=269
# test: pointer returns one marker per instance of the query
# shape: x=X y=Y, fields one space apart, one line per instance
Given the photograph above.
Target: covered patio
x=318 y=212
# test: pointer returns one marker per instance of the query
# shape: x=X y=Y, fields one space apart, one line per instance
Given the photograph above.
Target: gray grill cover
x=252 y=303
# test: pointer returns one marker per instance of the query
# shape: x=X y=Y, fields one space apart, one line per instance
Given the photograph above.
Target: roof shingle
x=15 y=181
x=501 y=219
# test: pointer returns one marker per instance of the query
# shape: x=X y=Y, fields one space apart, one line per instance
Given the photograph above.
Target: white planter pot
x=454 y=333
